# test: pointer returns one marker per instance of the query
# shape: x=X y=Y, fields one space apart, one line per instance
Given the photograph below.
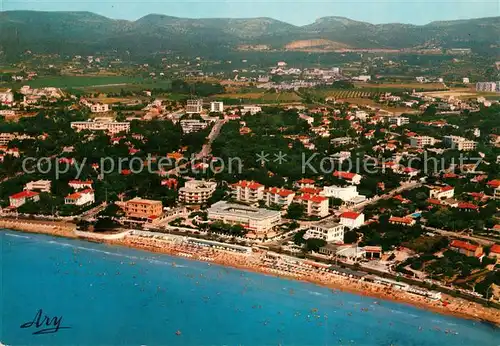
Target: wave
x=116 y=254
x=17 y=236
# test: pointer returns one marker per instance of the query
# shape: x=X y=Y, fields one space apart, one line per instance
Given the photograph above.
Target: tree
x=314 y=244
x=105 y=224
x=350 y=237
x=298 y=238
x=295 y=211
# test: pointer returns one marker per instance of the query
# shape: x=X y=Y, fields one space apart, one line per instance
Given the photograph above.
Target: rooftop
x=350 y=215
x=463 y=245
x=24 y=194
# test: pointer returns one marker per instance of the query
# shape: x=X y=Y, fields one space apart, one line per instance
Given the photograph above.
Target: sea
x=70 y=292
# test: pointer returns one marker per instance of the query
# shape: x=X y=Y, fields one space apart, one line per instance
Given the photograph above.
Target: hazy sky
x=298 y=12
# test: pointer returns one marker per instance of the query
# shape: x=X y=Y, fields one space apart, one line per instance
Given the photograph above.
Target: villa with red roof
x=248 y=191
x=494 y=183
x=277 y=196
x=353 y=178
x=495 y=252
x=314 y=205
x=466 y=248
x=80 y=198
x=22 y=197
x=443 y=192
x=352 y=219
x=404 y=221
x=467 y=206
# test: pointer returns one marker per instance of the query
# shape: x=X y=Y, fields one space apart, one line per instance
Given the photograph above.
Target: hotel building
x=194 y=106
x=422 y=141
x=459 y=143
x=315 y=205
x=251 y=109
x=193 y=125
x=399 y=121
x=328 y=231
x=99 y=108
x=142 y=208
x=39 y=185
x=216 y=107
x=248 y=191
x=256 y=219
x=111 y=127
x=280 y=197
x=196 y=191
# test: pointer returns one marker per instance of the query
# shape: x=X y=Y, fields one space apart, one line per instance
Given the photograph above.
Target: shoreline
x=456 y=307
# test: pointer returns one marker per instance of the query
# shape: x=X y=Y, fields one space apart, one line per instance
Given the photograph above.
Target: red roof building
x=248 y=191
x=466 y=248
x=305 y=183
x=405 y=221
x=494 y=183
x=495 y=252
x=18 y=199
x=352 y=177
x=467 y=206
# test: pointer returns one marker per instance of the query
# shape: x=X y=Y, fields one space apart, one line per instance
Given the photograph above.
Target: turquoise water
x=117 y=296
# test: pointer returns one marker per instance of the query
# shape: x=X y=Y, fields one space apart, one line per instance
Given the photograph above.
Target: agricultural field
x=350 y=94
x=90 y=82
x=464 y=94
x=259 y=97
x=388 y=87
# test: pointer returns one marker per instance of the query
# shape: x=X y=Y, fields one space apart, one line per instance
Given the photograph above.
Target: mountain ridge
x=86 y=32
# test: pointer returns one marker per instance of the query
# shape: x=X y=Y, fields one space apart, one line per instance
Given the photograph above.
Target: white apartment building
x=315 y=205
x=22 y=197
x=496 y=193
x=465 y=80
x=80 y=184
x=6 y=97
x=277 y=196
x=363 y=78
x=422 y=141
x=248 y=191
x=443 y=192
x=341 y=156
x=399 y=121
x=486 y=87
x=80 y=198
x=361 y=115
x=251 y=109
x=7 y=112
x=328 y=231
x=347 y=194
x=39 y=185
x=352 y=219
x=197 y=191
x=99 y=108
x=6 y=137
x=459 y=143
x=193 y=125
x=256 y=219
x=216 y=107
x=194 y=106
x=341 y=141
x=111 y=127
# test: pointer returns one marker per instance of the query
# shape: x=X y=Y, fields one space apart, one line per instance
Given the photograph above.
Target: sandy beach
x=256 y=262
